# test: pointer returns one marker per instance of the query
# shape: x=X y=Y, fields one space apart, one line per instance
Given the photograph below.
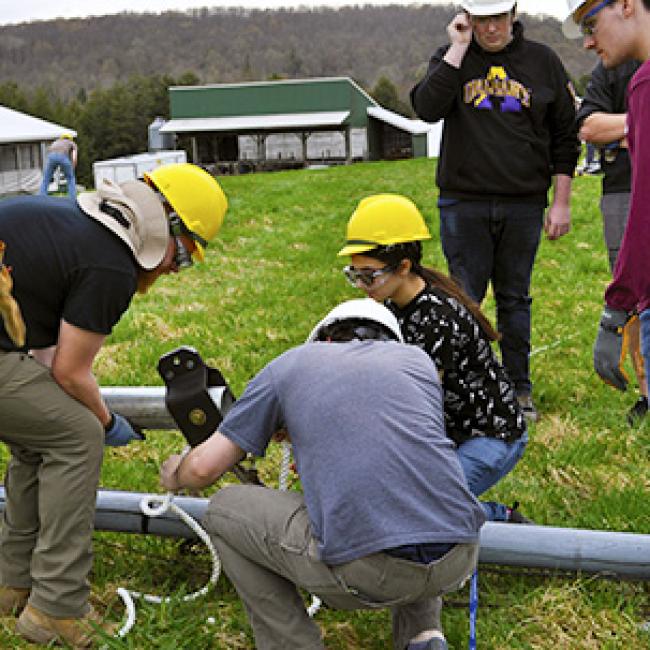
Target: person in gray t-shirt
x=385 y=518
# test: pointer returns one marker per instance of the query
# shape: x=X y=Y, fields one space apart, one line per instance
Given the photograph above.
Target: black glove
x=119 y=431
x=611 y=347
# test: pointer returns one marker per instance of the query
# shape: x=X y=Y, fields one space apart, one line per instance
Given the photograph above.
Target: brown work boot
x=12 y=600
x=39 y=627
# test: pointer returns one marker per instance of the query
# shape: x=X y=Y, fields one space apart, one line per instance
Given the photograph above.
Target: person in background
x=75 y=269
x=601 y=119
x=509 y=130
x=385 y=519
x=482 y=414
x=61 y=154
x=619 y=31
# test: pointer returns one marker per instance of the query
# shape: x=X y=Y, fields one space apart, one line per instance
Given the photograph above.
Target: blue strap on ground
x=473 y=609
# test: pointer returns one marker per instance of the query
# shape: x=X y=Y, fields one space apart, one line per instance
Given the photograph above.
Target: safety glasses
x=588 y=25
x=182 y=256
x=367 y=277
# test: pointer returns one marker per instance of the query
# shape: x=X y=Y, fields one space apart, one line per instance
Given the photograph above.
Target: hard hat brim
x=199 y=252
x=355 y=249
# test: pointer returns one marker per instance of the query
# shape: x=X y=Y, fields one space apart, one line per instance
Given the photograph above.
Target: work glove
x=119 y=431
x=9 y=309
x=611 y=347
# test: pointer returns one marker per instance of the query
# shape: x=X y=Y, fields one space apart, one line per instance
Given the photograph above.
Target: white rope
x=283 y=485
x=154 y=505
x=285 y=466
x=550 y=346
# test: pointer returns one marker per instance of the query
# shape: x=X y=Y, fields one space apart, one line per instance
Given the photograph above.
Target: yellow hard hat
x=383 y=219
x=67 y=136
x=197 y=198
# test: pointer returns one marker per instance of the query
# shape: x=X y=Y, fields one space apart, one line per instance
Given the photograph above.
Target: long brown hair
x=412 y=251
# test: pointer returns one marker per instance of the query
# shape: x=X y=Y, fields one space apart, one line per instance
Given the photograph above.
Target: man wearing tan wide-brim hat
x=75 y=267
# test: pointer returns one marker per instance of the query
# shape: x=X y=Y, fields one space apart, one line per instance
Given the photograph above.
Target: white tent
x=23 y=140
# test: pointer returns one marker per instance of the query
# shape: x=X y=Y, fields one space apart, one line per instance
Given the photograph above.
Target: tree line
x=108 y=77
x=222 y=45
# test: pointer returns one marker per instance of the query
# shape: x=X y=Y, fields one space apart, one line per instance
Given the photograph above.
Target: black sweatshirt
x=509 y=120
x=606 y=93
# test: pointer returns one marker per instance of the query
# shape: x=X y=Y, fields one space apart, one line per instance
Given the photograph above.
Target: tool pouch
x=197 y=396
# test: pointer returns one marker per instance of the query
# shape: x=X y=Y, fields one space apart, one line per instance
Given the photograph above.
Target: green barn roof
x=262 y=99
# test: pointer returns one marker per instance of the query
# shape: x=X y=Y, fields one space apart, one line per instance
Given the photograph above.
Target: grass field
x=269 y=277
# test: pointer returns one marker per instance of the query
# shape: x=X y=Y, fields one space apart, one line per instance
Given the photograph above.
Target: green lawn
x=270 y=276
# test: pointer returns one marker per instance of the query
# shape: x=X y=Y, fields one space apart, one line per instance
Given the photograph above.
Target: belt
x=421 y=553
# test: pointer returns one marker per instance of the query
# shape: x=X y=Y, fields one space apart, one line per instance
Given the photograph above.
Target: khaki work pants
x=51 y=480
x=264 y=539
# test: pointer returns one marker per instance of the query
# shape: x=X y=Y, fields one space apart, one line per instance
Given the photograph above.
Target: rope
x=283 y=485
x=550 y=346
x=285 y=466
x=156 y=506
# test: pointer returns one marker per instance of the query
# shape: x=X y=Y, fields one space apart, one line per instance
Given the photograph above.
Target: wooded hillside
x=73 y=57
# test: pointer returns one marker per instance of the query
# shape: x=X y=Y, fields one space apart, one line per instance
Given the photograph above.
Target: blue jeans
x=55 y=160
x=494 y=241
x=485 y=461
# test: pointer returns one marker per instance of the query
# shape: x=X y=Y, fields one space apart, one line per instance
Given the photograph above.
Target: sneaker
x=638 y=411
x=515 y=517
x=12 y=600
x=437 y=643
x=38 y=627
x=527 y=407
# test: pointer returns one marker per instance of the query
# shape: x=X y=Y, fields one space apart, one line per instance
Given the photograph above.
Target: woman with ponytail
x=482 y=414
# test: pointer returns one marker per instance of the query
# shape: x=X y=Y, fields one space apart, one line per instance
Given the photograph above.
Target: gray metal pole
x=144 y=405
x=624 y=555
x=618 y=554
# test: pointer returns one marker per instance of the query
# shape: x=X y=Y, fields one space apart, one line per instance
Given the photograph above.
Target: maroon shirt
x=630 y=287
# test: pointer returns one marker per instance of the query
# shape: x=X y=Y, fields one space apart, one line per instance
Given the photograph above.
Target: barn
x=290 y=123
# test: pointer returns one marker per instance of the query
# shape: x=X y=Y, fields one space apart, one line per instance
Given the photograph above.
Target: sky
x=17 y=11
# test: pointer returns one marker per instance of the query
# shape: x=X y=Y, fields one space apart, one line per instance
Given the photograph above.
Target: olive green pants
x=51 y=481
x=264 y=539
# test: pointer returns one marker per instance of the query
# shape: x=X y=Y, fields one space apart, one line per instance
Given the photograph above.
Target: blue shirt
x=366 y=424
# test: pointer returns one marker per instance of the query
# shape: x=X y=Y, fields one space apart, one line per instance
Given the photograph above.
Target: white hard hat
x=570 y=28
x=487 y=7
x=362 y=309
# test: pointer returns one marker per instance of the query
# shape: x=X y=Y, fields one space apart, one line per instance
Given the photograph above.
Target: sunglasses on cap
x=367 y=277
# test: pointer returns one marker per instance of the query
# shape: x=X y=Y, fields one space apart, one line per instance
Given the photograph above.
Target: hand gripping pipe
x=149 y=410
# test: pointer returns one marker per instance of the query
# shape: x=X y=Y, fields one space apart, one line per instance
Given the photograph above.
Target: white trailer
x=131 y=168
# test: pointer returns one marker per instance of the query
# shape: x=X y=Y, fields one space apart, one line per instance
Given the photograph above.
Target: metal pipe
x=624 y=555
x=571 y=549
x=591 y=551
x=144 y=405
